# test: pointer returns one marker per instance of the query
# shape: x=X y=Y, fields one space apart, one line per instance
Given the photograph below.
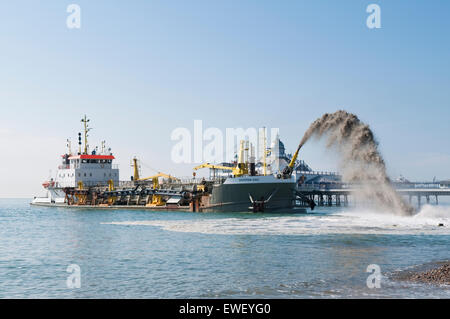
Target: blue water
x=143 y=254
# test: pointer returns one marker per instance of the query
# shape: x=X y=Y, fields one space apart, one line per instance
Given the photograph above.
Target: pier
x=323 y=196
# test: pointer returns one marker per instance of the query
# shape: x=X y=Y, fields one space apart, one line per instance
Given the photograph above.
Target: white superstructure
x=78 y=170
x=91 y=170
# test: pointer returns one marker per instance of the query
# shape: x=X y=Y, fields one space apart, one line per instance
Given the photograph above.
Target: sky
x=140 y=69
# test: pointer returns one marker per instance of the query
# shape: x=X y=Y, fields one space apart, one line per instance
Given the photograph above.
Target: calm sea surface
x=144 y=254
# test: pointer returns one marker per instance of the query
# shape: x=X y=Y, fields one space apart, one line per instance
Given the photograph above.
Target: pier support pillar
x=437 y=202
x=418 y=200
x=320 y=200
x=428 y=199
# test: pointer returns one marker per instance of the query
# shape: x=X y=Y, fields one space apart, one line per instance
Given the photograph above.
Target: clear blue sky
x=139 y=69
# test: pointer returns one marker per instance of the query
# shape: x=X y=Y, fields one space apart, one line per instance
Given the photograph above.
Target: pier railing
x=317 y=173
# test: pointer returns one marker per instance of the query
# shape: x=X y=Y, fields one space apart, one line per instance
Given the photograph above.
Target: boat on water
x=90 y=179
x=81 y=169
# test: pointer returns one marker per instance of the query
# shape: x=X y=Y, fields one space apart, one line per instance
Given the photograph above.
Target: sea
x=331 y=252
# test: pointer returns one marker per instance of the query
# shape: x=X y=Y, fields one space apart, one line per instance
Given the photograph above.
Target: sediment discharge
x=360 y=160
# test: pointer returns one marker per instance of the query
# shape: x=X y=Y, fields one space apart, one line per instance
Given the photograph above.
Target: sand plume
x=360 y=160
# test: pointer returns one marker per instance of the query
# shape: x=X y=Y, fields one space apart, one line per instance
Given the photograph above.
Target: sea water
x=146 y=254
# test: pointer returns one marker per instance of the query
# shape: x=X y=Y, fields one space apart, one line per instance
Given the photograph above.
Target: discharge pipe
x=287 y=171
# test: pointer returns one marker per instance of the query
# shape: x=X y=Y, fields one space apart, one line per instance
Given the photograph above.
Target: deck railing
x=84 y=166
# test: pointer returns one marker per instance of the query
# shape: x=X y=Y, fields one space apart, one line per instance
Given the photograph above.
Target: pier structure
x=323 y=196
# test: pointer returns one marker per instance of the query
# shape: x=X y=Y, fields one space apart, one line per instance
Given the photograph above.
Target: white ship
x=80 y=169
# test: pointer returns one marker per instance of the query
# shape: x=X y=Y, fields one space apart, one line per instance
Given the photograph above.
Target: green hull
x=235 y=197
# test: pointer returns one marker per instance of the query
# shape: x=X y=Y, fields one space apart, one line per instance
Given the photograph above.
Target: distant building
x=444 y=184
x=278 y=159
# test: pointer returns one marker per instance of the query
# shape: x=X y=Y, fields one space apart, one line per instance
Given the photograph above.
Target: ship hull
x=236 y=194
x=240 y=195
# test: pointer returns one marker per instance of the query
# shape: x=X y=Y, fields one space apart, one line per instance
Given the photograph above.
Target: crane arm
x=213 y=167
x=158 y=175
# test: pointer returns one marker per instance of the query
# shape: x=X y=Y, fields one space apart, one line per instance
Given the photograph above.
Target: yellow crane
x=156 y=177
x=157 y=199
x=135 y=166
x=136 y=176
x=214 y=168
x=239 y=170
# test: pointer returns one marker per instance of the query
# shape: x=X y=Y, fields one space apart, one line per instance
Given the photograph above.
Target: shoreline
x=434 y=273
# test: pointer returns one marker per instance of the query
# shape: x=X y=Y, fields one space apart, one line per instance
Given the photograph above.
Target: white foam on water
x=425 y=222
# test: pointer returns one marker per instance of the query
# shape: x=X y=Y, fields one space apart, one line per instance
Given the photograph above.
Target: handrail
x=78 y=166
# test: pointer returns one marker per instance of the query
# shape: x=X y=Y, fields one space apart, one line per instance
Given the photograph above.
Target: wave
x=430 y=220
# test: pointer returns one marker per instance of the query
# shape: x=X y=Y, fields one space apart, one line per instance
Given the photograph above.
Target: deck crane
x=157 y=199
x=238 y=170
x=136 y=176
x=136 y=167
x=212 y=166
x=155 y=178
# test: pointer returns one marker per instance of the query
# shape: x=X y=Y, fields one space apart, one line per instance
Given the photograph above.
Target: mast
x=265 y=152
x=85 y=121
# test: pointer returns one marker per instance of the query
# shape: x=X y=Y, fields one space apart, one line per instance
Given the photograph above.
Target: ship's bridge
x=100 y=161
x=90 y=169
